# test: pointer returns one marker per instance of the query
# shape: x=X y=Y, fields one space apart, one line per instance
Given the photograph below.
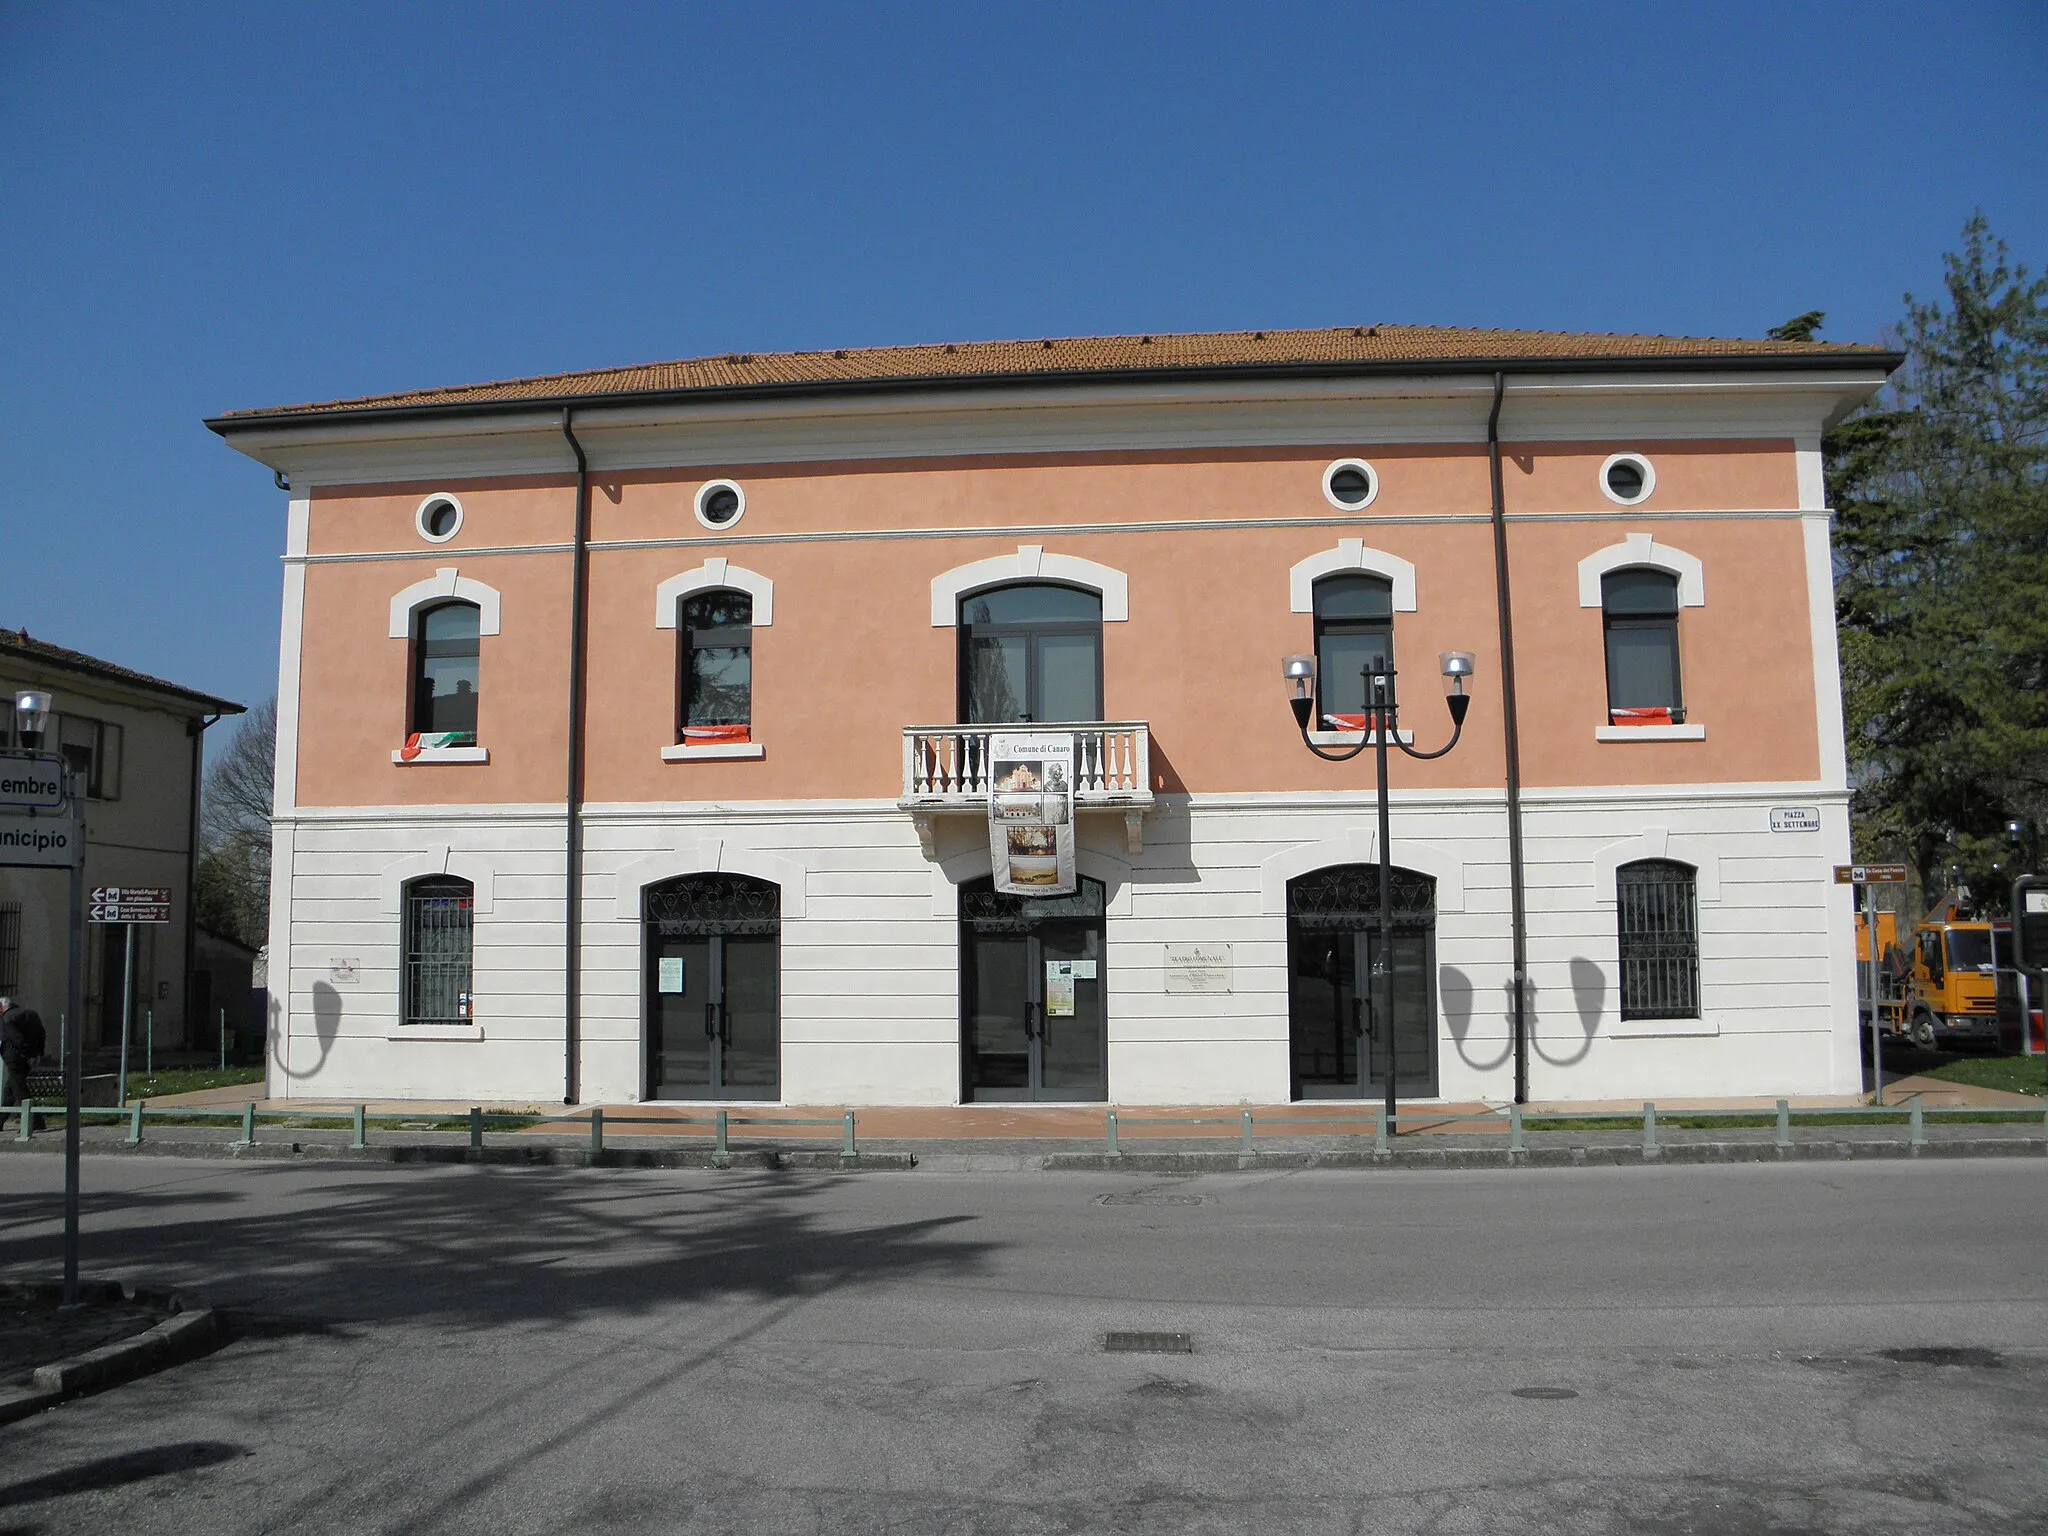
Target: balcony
x=946 y=770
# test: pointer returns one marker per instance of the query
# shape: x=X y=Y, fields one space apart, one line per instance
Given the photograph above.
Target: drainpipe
x=1517 y=894
x=196 y=729
x=572 y=821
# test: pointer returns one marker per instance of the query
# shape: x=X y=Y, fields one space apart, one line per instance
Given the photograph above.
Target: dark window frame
x=1657 y=929
x=418 y=967
x=416 y=692
x=1328 y=625
x=966 y=631
x=102 y=765
x=1613 y=622
x=733 y=637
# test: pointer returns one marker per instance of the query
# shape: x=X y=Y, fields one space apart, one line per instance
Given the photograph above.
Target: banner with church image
x=1031 y=813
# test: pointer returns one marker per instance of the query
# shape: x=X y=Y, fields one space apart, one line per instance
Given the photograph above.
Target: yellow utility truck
x=1940 y=990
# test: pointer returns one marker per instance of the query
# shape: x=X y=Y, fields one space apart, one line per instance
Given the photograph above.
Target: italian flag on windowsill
x=716 y=735
x=427 y=741
x=1640 y=716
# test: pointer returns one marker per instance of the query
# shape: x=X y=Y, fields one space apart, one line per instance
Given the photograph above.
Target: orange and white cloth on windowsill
x=716 y=735
x=1347 y=722
x=1658 y=716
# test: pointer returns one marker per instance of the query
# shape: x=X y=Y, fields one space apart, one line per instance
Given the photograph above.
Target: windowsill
x=1353 y=738
x=1649 y=733
x=442 y=755
x=723 y=749
x=1664 y=1029
x=437 y=1032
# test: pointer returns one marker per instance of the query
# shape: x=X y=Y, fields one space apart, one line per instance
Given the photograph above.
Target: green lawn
x=2015 y=1074
x=155 y=1085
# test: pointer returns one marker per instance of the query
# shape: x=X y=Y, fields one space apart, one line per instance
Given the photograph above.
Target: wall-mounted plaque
x=1795 y=818
x=1200 y=968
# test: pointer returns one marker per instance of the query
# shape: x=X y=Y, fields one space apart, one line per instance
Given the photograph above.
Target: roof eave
x=782 y=389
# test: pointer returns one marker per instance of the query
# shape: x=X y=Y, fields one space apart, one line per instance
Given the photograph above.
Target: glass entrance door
x=1033 y=1023
x=1339 y=1043
x=712 y=1008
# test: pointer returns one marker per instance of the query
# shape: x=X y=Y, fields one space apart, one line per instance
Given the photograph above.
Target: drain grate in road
x=1149 y=1197
x=1544 y=1394
x=1122 y=1342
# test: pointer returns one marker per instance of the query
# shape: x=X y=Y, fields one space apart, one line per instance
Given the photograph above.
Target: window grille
x=10 y=948
x=439 y=940
x=1660 y=940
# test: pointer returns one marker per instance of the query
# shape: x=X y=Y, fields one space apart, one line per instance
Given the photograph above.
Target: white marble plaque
x=1198 y=968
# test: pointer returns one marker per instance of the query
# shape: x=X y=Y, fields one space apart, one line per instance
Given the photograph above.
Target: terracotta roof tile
x=18 y=642
x=1098 y=356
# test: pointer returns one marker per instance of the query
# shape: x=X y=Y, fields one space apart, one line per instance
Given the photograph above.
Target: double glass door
x=1341 y=1034
x=1032 y=986
x=713 y=1014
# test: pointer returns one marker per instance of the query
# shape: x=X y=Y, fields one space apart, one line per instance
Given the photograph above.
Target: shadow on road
x=118 y=1471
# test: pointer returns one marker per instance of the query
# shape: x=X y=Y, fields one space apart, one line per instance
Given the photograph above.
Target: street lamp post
x=1381 y=716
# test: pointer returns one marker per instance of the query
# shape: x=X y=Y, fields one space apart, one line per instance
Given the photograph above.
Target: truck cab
x=1951 y=995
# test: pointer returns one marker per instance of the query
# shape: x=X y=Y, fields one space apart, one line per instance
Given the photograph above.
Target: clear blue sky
x=211 y=207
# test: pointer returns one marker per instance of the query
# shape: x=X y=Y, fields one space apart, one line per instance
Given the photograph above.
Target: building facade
x=136 y=739
x=633 y=726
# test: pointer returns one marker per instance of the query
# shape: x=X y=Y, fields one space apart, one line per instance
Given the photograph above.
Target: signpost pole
x=127 y=1008
x=1876 y=1014
x=74 y=1036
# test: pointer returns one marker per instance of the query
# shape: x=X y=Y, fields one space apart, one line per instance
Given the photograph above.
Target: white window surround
x=703 y=493
x=1372 y=485
x=1360 y=845
x=437 y=859
x=1649 y=733
x=1350 y=555
x=419 y=518
x=1030 y=563
x=706 y=856
x=1658 y=844
x=443 y=584
x=730 y=750
x=714 y=575
x=1351 y=738
x=427 y=757
x=437 y=1032
x=1642 y=550
x=1649 y=479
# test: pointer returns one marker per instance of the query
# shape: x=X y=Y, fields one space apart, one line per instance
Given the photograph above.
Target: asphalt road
x=544 y=1350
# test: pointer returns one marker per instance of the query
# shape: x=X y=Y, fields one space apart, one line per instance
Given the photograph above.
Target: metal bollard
x=1514 y=1130
x=28 y=1118
x=249 y=1124
x=135 y=1123
x=1784 y=1124
x=847 y=1148
x=1916 y=1127
x=1379 y=1130
x=1649 y=1126
x=596 y=1132
x=1109 y=1130
x=476 y=1128
x=1246 y=1148
x=359 y=1141
x=719 y=1149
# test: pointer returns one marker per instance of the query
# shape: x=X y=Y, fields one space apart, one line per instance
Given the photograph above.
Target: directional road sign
x=130 y=904
x=1870 y=874
x=30 y=782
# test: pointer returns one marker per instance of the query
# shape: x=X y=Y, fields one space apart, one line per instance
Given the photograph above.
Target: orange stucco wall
x=852 y=656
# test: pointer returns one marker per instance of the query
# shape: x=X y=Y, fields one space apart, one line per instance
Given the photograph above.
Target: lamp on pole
x=1381 y=720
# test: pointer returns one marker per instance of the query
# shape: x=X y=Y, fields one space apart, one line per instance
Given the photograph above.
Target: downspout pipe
x=1518 y=905
x=572 y=809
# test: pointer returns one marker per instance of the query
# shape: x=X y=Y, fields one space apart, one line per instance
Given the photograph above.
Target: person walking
x=21 y=1042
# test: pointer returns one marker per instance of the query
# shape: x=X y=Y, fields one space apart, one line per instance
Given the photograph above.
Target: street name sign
x=30 y=782
x=1870 y=874
x=130 y=904
x=1795 y=818
x=36 y=842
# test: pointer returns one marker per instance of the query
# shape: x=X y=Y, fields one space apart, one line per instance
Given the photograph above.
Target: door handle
x=711 y=1031
x=1358 y=1024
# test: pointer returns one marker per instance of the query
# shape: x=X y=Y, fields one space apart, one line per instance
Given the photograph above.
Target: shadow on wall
x=326 y=1028
x=1458 y=999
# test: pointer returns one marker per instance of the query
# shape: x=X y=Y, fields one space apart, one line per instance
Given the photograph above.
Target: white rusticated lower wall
x=870 y=993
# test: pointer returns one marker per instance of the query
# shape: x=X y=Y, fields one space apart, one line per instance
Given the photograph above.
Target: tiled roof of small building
x=1364 y=347
x=19 y=643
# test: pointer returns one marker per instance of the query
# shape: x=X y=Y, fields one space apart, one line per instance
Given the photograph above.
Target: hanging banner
x=1031 y=813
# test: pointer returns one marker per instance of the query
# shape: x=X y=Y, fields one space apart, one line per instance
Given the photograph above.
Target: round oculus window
x=1350 y=484
x=438 y=519
x=1627 y=478
x=720 y=503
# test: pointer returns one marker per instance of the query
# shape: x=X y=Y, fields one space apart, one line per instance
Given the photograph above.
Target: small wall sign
x=341 y=970
x=1795 y=818
x=1198 y=968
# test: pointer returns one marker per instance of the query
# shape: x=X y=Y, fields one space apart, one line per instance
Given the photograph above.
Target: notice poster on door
x=670 y=978
x=1060 y=976
x=1031 y=813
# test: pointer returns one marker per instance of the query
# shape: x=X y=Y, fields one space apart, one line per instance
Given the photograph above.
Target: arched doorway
x=1032 y=1020
x=1338 y=1048
x=713 y=1012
